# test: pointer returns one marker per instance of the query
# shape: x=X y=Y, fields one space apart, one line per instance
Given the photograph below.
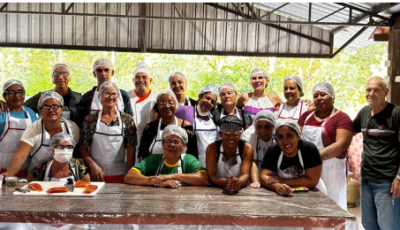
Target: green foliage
x=347 y=72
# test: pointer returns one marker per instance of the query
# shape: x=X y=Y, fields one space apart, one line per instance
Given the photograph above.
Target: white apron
x=206 y=133
x=95 y=104
x=74 y=175
x=232 y=165
x=293 y=113
x=156 y=145
x=108 y=151
x=320 y=186
x=334 y=169
x=42 y=153
x=141 y=114
x=10 y=139
x=260 y=150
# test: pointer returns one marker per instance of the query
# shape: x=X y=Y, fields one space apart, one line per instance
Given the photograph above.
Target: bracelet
x=398 y=177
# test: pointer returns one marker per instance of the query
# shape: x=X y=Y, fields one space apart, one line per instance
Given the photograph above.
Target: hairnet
x=265 y=115
x=175 y=130
x=324 y=87
x=142 y=67
x=230 y=122
x=107 y=84
x=226 y=86
x=169 y=92
x=259 y=71
x=289 y=123
x=61 y=137
x=48 y=95
x=103 y=62
x=209 y=88
x=59 y=65
x=10 y=83
x=180 y=74
x=298 y=81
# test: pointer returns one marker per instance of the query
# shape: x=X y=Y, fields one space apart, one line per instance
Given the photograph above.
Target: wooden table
x=126 y=204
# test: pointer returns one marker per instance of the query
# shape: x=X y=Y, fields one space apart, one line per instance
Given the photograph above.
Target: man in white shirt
x=142 y=99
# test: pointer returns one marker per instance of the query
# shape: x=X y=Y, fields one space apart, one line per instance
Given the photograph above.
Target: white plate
x=51 y=184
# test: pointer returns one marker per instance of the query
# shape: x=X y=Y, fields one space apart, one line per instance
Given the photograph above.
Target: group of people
x=167 y=139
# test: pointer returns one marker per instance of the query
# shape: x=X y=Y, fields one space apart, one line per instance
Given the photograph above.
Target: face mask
x=201 y=113
x=63 y=155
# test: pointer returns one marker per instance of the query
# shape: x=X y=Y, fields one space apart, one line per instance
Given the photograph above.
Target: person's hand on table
x=282 y=189
x=395 y=189
x=255 y=184
x=159 y=179
x=96 y=172
x=170 y=184
x=233 y=183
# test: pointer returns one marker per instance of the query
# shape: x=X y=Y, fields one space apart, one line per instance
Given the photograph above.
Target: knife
x=70 y=185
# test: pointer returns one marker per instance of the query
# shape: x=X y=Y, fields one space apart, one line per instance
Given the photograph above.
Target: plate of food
x=56 y=188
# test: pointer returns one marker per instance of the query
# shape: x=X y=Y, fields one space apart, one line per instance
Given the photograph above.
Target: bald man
x=379 y=123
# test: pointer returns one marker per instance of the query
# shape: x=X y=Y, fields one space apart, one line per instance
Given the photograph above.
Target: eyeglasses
x=12 y=93
x=62 y=147
x=166 y=104
x=101 y=70
x=231 y=132
x=110 y=95
x=170 y=142
x=57 y=74
x=52 y=107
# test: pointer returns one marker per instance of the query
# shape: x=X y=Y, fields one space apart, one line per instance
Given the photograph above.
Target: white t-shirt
x=33 y=133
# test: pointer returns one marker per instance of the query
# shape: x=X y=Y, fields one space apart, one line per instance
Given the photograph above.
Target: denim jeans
x=378 y=209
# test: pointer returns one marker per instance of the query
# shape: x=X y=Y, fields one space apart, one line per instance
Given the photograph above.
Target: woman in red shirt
x=331 y=130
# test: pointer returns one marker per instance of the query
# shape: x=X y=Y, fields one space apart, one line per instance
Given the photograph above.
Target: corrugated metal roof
x=186 y=28
x=300 y=11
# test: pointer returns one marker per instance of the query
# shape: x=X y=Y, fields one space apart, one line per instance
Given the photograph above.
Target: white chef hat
x=142 y=67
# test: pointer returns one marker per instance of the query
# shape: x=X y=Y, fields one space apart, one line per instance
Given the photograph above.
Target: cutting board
x=51 y=184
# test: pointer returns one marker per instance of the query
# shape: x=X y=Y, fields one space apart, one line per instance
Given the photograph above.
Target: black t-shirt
x=381 y=147
x=292 y=166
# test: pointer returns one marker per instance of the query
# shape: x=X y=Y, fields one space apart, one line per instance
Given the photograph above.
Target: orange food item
x=90 y=189
x=35 y=187
x=57 y=190
x=82 y=183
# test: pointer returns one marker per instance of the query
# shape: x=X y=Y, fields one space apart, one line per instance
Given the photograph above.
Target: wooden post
x=142 y=28
x=394 y=58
